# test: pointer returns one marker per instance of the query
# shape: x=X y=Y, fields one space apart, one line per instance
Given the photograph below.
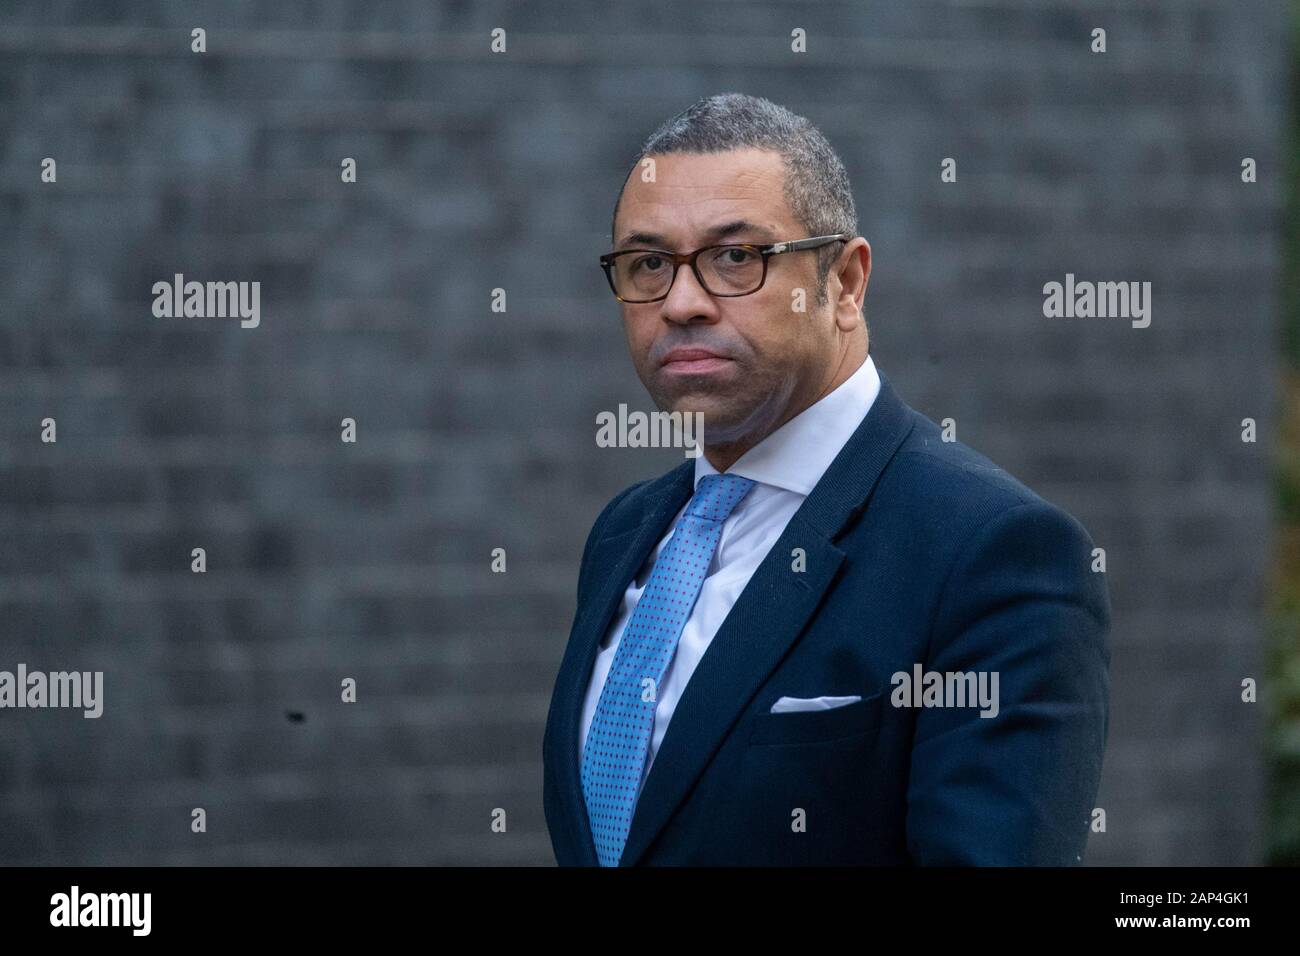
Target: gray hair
x=816 y=185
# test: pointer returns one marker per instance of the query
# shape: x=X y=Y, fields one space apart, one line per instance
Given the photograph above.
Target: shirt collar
x=795 y=456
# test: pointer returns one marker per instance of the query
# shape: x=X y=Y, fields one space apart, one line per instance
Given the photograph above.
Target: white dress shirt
x=784 y=466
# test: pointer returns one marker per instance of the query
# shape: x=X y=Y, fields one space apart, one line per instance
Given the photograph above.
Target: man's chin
x=721 y=423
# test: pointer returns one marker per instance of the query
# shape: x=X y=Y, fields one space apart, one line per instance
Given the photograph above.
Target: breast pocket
x=814 y=726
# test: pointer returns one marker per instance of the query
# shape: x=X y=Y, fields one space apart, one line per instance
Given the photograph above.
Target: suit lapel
x=765 y=621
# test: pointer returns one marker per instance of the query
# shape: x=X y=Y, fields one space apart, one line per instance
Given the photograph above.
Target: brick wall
x=476 y=429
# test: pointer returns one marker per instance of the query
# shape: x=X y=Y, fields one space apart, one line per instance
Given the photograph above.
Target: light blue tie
x=618 y=740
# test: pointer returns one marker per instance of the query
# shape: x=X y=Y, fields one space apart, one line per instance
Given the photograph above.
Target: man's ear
x=852 y=271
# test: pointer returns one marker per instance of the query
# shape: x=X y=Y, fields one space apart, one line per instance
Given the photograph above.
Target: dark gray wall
x=476 y=429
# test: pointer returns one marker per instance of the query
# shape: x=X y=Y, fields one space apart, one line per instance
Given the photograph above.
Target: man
x=834 y=637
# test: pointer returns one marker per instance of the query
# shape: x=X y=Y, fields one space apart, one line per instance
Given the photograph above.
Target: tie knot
x=717 y=495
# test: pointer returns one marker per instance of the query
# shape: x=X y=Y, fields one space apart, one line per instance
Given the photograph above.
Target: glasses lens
x=641 y=275
x=731 y=270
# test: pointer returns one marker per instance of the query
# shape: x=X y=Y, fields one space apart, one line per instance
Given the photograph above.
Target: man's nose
x=687 y=299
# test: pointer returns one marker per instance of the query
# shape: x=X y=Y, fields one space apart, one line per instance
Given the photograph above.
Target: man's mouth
x=693 y=361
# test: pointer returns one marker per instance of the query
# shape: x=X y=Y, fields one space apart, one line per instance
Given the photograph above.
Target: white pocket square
x=790 y=705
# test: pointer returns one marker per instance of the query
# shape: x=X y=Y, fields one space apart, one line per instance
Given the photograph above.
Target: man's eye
x=652 y=263
x=737 y=257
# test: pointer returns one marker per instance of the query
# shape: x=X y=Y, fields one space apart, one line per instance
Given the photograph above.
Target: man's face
x=744 y=361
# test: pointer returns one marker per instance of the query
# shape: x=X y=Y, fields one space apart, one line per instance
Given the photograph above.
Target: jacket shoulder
x=624 y=510
x=952 y=489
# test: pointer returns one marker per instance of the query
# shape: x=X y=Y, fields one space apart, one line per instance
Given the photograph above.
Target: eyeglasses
x=731 y=269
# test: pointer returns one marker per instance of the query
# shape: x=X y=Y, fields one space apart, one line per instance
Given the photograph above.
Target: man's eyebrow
x=721 y=231
x=729 y=229
x=642 y=239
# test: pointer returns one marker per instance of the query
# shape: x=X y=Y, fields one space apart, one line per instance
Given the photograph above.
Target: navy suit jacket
x=917 y=551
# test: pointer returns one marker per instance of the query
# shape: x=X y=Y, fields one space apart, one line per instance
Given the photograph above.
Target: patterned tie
x=618 y=740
